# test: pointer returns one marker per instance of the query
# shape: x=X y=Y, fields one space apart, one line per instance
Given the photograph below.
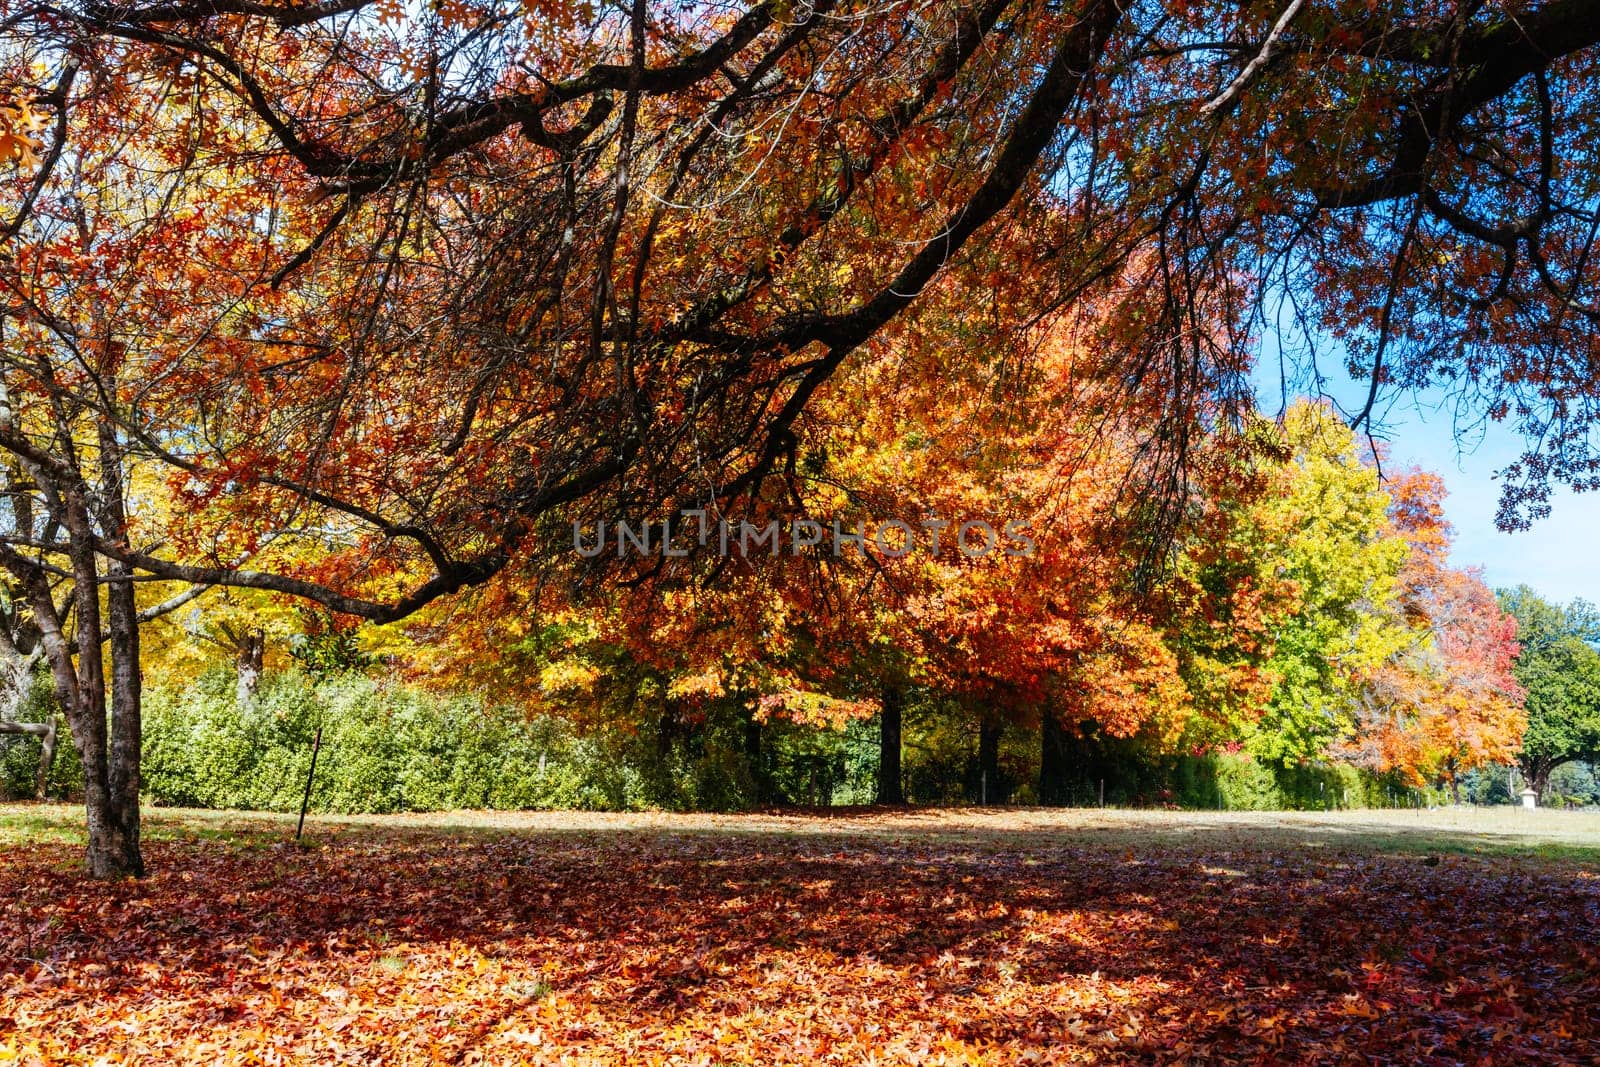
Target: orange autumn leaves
x=938 y=938
x=957 y=412
x=1295 y=576
x=20 y=128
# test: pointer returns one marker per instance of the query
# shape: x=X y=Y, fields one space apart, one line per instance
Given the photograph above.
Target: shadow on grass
x=1509 y=832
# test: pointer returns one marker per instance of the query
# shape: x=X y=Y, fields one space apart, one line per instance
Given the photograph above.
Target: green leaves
x=1331 y=537
x=1561 y=672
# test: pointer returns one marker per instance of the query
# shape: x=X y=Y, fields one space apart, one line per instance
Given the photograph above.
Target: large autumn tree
x=473 y=270
x=1332 y=540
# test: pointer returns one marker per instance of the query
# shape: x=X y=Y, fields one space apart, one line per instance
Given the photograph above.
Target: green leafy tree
x=1560 y=669
x=1338 y=548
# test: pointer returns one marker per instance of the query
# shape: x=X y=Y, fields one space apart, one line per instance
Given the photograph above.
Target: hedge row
x=387 y=747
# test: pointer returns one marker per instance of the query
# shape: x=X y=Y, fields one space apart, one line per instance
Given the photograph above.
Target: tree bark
x=17 y=675
x=754 y=758
x=890 y=789
x=109 y=752
x=247 y=663
x=127 y=684
x=110 y=759
x=1052 y=761
x=123 y=771
x=989 y=791
x=110 y=756
x=47 y=760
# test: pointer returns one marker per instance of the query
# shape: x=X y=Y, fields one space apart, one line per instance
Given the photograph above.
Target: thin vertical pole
x=316 y=747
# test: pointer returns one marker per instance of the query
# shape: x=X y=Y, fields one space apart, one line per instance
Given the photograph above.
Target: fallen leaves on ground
x=719 y=947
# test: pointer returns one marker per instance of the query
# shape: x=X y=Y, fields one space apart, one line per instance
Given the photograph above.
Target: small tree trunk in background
x=989 y=763
x=47 y=759
x=46 y=733
x=252 y=649
x=1052 y=761
x=890 y=790
x=17 y=675
x=1453 y=774
x=754 y=759
x=1535 y=776
x=1538 y=777
x=666 y=729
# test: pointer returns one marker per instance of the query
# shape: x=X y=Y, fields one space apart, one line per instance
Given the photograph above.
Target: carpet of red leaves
x=715 y=947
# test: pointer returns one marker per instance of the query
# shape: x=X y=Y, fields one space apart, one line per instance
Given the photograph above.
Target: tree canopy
x=1560 y=668
x=619 y=249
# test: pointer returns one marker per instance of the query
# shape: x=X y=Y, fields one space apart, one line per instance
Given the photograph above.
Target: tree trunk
x=247 y=664
x=754 y=758
x=890 y=790
x=989 y=791
x=110 y=764
x=17 y=675
x=110 y=752
x=113 y=827
x=47 y=759
x=1537 y=773
x=127 y=684
x=1052 y=761
x=666 y=729
x=1540 y=783
x=125 y=756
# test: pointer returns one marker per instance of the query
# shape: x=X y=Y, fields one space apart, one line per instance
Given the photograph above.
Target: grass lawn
x=959 y=937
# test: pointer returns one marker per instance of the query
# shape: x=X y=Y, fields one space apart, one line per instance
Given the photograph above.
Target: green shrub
x=385 y=748
x=1239 y=783
x=388 y=747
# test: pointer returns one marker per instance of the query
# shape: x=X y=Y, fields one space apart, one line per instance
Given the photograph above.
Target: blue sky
x=1559 y=557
